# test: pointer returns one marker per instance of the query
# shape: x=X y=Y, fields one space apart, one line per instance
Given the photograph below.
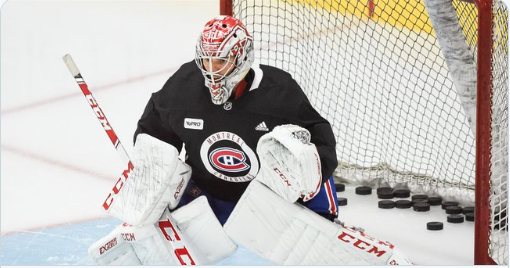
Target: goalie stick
x=166 y=226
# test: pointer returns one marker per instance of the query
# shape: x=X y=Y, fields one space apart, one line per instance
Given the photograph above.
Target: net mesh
x=378 y=75
x=381 y=82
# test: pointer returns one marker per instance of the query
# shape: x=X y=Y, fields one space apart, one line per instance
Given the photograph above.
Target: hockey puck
x=470 y=216
x=453 y=210
x=384 y=189
x=421 y=207
x=363 y=190
x=419 y=196
x=340 y=187
x=466 y=210
x=434 y=225
x=403 y=204
x=415 y=201
x=388 y=194
x=448 y=203
x=455 y=218
x=386 y=204
x=435 y=200
x=402 y=193
x=342 y=201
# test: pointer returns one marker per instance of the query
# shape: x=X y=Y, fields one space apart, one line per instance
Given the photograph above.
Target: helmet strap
x=243 y=85
x=240 y=88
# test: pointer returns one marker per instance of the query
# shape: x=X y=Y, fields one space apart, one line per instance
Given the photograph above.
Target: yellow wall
x=410 y=14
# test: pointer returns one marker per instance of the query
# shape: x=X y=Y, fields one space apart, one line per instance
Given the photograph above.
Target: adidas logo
x=262 y=127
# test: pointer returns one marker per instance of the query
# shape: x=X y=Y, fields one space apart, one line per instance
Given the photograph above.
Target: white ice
x=57 y=164
x=56 y=160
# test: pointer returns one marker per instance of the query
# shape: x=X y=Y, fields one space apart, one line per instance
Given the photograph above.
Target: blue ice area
x=63 y=245
x=68 y=245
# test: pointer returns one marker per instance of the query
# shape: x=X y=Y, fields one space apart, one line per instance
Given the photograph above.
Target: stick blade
x=71 y=65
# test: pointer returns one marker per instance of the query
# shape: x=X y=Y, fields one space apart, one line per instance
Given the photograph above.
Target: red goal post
x=482 y=160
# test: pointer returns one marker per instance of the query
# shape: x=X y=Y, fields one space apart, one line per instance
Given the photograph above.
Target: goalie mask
x=224 y=54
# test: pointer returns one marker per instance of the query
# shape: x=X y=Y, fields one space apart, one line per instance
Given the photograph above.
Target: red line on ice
x=78 y=93
x=62 y=224
x=57 y=163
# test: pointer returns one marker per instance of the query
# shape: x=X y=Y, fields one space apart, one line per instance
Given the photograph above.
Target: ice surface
x=68 y=245
x=57 y=164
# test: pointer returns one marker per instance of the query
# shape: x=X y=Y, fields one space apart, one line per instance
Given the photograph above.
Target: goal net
x=397 y=80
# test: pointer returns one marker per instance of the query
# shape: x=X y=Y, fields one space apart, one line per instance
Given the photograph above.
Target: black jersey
x=220 y=140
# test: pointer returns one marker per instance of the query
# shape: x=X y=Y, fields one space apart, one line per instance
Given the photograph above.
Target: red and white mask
x=224 y=54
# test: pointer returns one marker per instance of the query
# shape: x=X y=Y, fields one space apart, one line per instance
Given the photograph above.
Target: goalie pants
x=324 y=204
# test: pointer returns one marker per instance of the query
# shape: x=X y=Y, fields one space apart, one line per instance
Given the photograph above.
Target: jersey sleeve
x=153 y=123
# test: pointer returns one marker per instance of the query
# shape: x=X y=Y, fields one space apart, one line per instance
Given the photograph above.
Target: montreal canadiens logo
x=228 y=159
x=226 y=156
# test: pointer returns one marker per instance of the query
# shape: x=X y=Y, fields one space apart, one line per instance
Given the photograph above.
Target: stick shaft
x=166 y=224
x=97 y=109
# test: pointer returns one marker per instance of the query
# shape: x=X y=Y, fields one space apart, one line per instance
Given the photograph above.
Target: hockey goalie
x=258 y=169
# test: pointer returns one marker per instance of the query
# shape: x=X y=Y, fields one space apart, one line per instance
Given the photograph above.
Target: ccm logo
x=118 y=185
x=128 y=236
x=369 y=245
x=99 y=113
x=282 y=176
x=192 y=123
x=181 y=252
